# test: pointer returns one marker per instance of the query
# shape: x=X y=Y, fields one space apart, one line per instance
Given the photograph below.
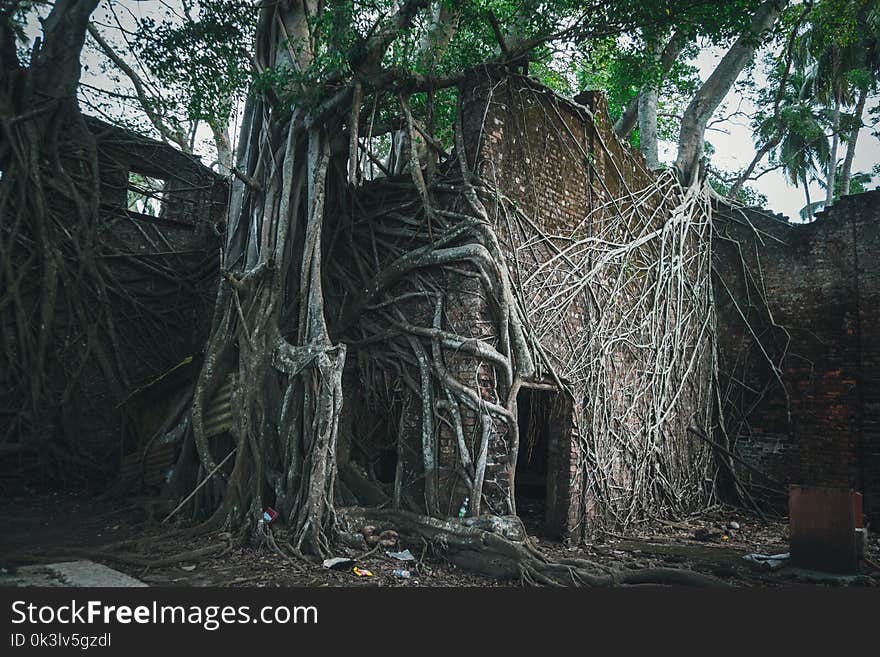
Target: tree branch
x=172 y=135
x=710 y=95
x=627 y=121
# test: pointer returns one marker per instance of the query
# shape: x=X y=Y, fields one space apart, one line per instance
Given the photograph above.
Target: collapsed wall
x=162 y=214
x=799 y=349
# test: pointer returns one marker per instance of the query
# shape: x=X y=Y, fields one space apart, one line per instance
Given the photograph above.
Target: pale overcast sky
x=734 y=149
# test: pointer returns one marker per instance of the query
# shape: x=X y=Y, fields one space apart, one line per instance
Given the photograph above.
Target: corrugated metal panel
x=155 y=468
x=218 y=415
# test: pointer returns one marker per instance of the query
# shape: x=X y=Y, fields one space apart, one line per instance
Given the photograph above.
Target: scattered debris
x=772 y=561
x=361 y=572
x=401 y=573
x=733 y=524
x=269 y=514
x=339 y=563
x=703 y=534
x=405 y=555
x=189 y=568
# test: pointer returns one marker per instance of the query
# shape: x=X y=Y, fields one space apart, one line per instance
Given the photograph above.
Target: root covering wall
x=161 y=270
x=611 y=262
x=608 y=263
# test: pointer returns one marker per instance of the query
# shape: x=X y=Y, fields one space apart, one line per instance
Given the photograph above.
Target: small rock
x=352 y=540
x=388 y=538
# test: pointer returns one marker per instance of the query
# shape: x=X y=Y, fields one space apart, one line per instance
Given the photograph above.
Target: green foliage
x=15 y=18
x=746 y=195
x=620 y=65
x=607 y=43
x=834 y=59
x=859 y=183
x=204 y=55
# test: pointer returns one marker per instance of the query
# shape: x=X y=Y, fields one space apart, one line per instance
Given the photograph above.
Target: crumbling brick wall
x=806 y=298
x=556 y=165
x=561 y=164
x=173 y=310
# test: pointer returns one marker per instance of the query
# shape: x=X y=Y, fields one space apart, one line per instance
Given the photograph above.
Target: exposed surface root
x=500 y=547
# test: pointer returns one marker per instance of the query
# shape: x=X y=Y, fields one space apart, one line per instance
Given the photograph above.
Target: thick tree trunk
x=271 y=332
x=771 y=143
x=713 y=91
x=831 y=170
x=846 y=169
x=624 y=126
x=648 y=126
x=223 y=147
x=49 y=198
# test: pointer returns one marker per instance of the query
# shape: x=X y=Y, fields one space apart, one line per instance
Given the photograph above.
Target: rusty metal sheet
x=822 y=522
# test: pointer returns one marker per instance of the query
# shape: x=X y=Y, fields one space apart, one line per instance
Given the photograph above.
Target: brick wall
x=811 y=295
x=561 y=164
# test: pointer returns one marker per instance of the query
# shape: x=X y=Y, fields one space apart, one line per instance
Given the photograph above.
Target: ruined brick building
x=157 y=246
x=601 y=264
x=604 y=418
x=162 y=216
x=631 y=344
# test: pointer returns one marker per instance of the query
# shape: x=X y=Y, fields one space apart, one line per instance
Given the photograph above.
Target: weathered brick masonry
x=811 y=294
x=560 y=164
x=559 y=161
x=796 y=330
x=183 y=238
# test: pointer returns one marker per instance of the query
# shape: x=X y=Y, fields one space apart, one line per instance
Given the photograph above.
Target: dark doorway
x=536 y=467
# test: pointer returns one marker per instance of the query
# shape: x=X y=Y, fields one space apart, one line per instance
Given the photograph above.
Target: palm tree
x=803 y=150
x=795 y=135
x=839 y=53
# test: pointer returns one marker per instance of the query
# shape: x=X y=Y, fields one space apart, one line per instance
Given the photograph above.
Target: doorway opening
x=544 y=427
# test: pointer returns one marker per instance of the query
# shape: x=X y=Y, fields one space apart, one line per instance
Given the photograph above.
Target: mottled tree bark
x=713 y=91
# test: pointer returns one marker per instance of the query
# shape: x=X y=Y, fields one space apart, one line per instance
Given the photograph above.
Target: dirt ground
x=59 y=526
